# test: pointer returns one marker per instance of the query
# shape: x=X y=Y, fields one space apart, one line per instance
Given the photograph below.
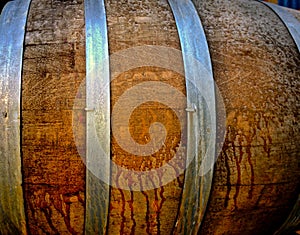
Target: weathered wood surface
x=54 y=66
x=131 y=24
x=290 y=20
x=256 y=67
x=12 y=30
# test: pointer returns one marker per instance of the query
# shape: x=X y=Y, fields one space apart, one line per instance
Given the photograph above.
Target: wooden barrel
x=255 y=183
x=246 y=44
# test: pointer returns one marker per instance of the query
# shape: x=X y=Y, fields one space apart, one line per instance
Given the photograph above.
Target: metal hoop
x=292 y=24
x=12 y=30
x=201 y=142
x=97 y=98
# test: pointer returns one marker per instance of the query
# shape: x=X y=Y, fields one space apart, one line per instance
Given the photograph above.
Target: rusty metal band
x=201 y=113
x=97 y=117
x=292 y=24
x=12 y=30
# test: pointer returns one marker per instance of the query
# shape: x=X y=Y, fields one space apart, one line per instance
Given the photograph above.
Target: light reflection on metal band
x=12 y=31
x=292 y=24
x=98 y=101
x=201 y=122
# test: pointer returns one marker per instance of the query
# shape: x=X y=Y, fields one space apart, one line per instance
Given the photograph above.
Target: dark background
x=287 y=3
x=2 y=4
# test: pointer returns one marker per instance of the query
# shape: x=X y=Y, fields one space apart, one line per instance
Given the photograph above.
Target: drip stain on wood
x=53 y=69
x=149 y=211
x=255 y=70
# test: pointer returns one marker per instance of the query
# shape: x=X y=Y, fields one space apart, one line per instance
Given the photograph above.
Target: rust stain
x=163 y=199
x=49 y=203
x=180 y=180
x=245 y=129
x=123 y=201
x=53 y=69
x=148 y=211
x=48 y=214
x=156 y=208
x=132 y=213
x=122 y=212
x=130 y=182
x=225 y=157
x=152 y=213
x=147 y=217
x=261 y=95
x=238 y=181
x=250 y=193
x=228 y=183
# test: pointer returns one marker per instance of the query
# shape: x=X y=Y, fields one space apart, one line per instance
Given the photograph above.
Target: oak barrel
x=255 y=64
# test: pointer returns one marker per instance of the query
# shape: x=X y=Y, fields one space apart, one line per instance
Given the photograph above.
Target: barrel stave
x=53 y=68
x=143 y=23
x=256 y=68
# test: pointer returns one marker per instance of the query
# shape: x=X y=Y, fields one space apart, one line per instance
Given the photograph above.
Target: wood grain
x=256 y=67
x=54 y=66
x=154 y=211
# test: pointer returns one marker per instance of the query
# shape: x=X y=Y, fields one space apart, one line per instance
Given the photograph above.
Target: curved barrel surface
x=255 y=66
x=251 y=51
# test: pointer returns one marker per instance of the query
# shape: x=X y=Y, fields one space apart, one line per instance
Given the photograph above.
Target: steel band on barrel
x=12 y=30
x=97 y=104
x=201 y=111
x=292 y=24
